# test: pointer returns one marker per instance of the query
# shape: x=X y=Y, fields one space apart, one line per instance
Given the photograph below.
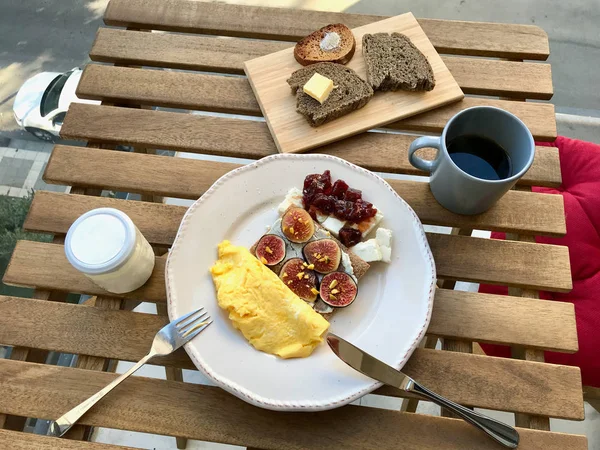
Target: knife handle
x=502 y=433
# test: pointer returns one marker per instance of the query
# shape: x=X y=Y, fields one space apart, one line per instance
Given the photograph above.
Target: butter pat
x=318 y=87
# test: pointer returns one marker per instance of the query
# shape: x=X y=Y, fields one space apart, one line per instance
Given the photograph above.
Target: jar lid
x=100 y=241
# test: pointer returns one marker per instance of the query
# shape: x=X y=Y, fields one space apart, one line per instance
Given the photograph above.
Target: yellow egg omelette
x=269 y=315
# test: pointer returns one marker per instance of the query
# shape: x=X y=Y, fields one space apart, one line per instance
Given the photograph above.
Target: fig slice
x=324 y=254
x=297 y=225
x=338 y=289
x=270 y=249
x=301 y=280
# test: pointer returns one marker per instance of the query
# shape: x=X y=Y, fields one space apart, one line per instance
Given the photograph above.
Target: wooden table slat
x=474 y=75
x=458 y=37
x=526 y=265
x=127 y=335
x=207 y=412
x=528 y=213
x=535 y=266
x=392 y=157
x=168 y=130
x=15 y=440
x=508 y=320
x=538 y=117
x=198 y=134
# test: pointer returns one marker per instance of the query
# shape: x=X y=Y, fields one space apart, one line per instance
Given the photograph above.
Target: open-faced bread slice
x=333 y=43
x=394 y=62
x=350 y=92
x=350 y=263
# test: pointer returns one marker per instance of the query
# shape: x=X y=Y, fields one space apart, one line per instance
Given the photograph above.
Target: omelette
x=269 y=315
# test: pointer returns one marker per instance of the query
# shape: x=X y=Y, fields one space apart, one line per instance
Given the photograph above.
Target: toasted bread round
x=333 y=43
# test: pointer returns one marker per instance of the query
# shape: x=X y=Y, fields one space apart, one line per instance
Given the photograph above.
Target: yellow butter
x=269 y=315
x=318 y=87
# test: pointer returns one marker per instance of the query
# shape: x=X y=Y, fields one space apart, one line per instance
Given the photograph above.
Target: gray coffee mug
x=459 y=191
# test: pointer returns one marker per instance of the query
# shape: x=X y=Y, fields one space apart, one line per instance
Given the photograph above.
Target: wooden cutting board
x=291 y=131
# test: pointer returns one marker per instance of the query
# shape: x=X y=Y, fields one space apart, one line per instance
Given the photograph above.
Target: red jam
x=350 y=236
x=338 y=198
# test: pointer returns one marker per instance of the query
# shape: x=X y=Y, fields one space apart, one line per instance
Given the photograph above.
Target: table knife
x=380 y=371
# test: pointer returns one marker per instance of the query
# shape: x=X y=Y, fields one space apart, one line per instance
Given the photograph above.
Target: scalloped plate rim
x=234 y=388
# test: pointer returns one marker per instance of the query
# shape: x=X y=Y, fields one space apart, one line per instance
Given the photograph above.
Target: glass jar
x=106 y=246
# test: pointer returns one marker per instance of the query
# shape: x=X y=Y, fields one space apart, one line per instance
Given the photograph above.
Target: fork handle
x=61 y=425
x=500 y=432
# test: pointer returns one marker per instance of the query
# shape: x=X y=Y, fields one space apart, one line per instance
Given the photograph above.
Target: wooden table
x=110 y=331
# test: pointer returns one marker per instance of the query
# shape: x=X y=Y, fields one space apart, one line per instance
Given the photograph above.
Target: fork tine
x=193 y=327
x=191 y=334
x=182 y=327
x=187 y=316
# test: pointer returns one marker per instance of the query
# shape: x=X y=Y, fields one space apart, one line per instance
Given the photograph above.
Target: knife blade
x=367 y=364
x=372 y=367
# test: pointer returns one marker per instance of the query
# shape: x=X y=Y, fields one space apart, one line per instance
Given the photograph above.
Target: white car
x=42 y=102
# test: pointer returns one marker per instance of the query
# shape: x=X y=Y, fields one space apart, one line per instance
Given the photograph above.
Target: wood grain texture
x=292 y=132
x=126 y=335
x=202 y=134
x=126 y=85
x=28 y=441
x=103 y=333
x=473 y=75
x=467 y=38
x=207 y=413
x=524 y=264
x=167 y=130
x=435 y=365
x=530 y=421
x=539 y=119
x=187 y=178
x=54 y=272
x=94 y=362
x=511 y=320
x=520 y=80
x=178 y=51
x=479 y=260
x=55 y=212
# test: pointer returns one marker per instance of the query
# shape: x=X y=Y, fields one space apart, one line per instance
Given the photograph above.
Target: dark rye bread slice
x=393 y=63
x=333 y=43
x=350 y=92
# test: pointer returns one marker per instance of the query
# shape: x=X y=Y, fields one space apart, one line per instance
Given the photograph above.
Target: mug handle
x=424 y=141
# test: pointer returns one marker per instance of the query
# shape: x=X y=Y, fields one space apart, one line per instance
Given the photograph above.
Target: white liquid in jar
x=108 y=248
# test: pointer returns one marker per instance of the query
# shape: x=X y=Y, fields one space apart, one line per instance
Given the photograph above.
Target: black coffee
x=480 y=157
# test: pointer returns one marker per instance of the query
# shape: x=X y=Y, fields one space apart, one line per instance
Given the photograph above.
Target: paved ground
x=22 y=166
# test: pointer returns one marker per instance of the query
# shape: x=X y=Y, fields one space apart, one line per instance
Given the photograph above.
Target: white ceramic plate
x=388 y=319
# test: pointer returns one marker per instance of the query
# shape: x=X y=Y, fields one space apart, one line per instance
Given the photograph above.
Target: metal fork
x=167 y=340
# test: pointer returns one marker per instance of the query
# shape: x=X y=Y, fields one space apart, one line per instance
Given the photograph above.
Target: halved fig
x=324 y=255
x=297 y=225
x=338 y=289
x=270 y=249
x=300 y=279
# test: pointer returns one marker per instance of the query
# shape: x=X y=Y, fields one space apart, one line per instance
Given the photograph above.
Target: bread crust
x=308 y=50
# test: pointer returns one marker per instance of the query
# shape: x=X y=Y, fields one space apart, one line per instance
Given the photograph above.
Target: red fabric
x=580 y=167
